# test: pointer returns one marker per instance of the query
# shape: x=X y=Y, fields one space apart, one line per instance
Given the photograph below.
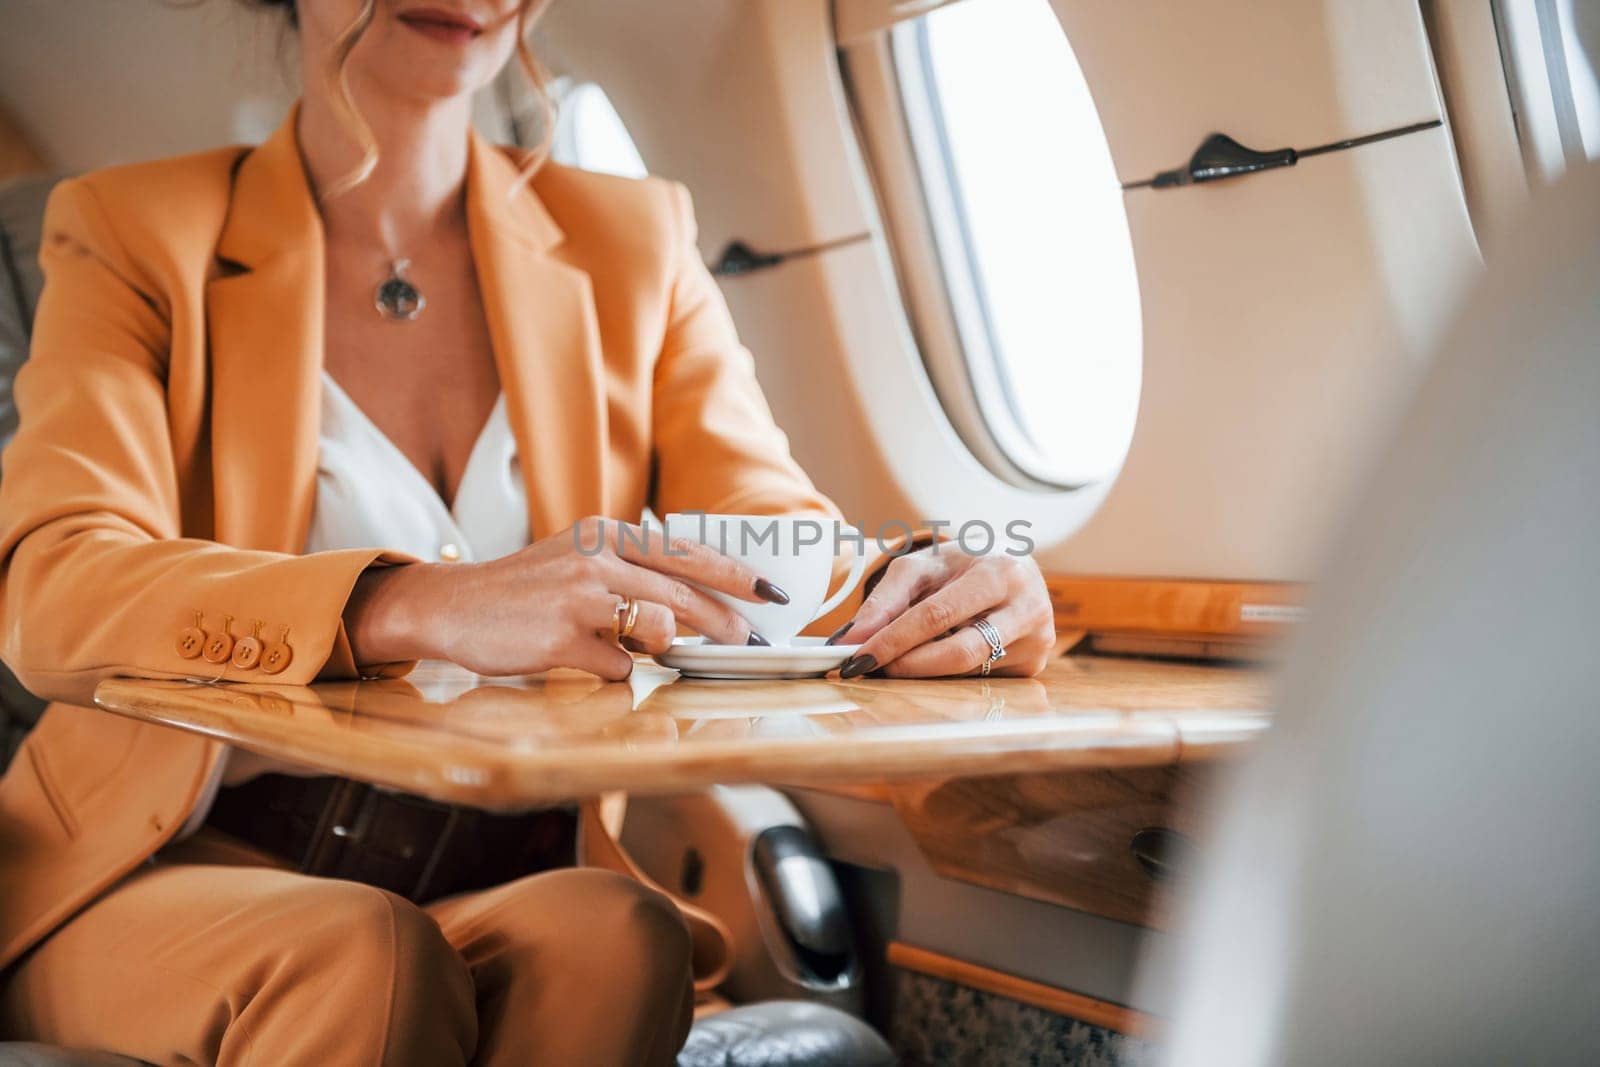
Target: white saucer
x=807 y=657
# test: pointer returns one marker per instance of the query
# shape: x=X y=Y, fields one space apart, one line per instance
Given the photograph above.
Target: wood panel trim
x=1174 y=607
x=1063 y=839
x=870 y=792
x=1102 y=1013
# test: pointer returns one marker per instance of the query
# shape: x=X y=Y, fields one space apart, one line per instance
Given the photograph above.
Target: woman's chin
x=433 y=84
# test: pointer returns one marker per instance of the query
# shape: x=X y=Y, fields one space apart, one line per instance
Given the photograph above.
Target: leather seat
x=774 y=1034
x=784 y=1033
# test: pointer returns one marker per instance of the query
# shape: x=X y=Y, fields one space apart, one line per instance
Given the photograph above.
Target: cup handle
x=857 y=569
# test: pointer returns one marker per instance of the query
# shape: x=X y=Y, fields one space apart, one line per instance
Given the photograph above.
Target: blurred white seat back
x=1409 y=871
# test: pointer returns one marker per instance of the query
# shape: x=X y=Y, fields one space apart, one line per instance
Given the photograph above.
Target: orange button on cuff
x=191 y=639
x=190 y=642
x=276 y=656
x=219 y=646
x=247 y=650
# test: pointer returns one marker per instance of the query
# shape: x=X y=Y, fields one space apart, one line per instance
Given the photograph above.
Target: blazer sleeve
x=96 y=576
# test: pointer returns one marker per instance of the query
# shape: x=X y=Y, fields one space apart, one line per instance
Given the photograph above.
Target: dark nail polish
x=769 y=592
x=856 y=666
x=840 y=632
x=757 y=639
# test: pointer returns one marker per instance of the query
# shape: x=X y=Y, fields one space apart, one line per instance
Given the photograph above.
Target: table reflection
x=504 y=741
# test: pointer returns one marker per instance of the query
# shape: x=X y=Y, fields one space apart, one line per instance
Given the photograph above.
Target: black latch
x=740 y=258
x=1220 y=156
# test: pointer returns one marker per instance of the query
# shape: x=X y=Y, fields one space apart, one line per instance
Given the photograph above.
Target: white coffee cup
x=796 y=553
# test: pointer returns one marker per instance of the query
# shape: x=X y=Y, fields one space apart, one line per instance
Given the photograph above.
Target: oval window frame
x=893 y=97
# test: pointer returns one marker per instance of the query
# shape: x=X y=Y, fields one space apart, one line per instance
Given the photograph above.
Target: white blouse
x=369 y=495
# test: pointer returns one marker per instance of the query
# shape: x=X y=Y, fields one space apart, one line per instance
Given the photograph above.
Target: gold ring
x=626 y=617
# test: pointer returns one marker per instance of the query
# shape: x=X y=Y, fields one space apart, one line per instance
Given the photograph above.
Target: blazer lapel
x=546 y=343
x=264 y=317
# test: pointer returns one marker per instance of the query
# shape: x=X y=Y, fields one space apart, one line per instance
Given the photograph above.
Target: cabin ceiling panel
x=1269 y=73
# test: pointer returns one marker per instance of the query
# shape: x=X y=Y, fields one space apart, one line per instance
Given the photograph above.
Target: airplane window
x=1585 y=83
x=1552 y=83
x=1030 y=231
x=590 y=134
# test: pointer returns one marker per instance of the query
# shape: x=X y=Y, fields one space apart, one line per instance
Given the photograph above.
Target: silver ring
x=997 y=648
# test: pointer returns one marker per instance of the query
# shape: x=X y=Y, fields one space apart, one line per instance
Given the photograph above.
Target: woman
x=249 y=363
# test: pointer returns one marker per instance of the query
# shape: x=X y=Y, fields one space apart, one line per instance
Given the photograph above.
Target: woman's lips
x=446 y=26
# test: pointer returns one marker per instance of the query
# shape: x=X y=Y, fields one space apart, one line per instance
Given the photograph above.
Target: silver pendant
x=397 y=298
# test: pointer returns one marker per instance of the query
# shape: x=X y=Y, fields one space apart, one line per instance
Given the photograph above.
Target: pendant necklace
x=396 y=298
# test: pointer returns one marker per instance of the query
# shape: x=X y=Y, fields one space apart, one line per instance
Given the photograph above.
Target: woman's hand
x=553 y=604
x=915 y=622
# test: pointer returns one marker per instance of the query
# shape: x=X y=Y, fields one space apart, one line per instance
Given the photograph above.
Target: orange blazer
x=166 y=457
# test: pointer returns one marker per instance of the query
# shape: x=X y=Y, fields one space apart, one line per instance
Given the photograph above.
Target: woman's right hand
x=553 y=604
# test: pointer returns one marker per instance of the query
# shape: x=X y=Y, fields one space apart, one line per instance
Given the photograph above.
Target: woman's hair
x=528 y=12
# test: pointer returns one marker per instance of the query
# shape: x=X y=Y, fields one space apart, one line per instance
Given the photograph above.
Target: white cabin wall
x=1286 y=314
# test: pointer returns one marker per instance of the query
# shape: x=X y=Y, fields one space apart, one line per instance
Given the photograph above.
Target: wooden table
x=503 y=744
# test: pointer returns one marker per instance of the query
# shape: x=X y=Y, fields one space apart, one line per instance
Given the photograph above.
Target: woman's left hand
x=916 y=623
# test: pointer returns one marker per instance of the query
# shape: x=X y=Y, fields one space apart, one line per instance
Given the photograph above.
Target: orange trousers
x=209 y=955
